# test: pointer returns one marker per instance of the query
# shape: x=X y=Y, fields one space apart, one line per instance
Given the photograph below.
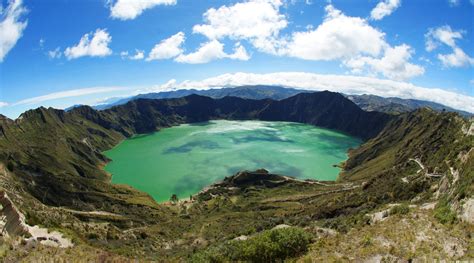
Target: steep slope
x=50 y=166
x=326 y=109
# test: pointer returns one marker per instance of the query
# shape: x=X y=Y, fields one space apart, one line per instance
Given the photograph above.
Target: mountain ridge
x=53 y=172
x=367 y=102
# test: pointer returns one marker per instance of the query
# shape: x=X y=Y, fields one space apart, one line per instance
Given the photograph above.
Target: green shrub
x=443 y=212
x=268 y=246
x=402 y=209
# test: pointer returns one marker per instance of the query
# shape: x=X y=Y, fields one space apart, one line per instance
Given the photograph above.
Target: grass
x=401 y=209
x=443 y=212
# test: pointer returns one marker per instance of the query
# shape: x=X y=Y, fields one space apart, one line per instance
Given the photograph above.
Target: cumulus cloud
x=212 y=50
x=130 y=9
x=338 y=37
x=441 y=35
x=258 y=21
x=337 y=83
x=361 y=47
x=168 y=48
x=456 y=59
x=68 y=94
x=11 y=26
x=384 y=8
x=447 y=36
x=96 y=45
x=393 y=65
x=351 y=40
x=139 y=54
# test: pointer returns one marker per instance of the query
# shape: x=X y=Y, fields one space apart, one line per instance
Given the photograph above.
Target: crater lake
x=184 y=159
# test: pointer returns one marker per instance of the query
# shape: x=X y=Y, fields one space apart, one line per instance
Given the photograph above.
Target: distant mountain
x=246 y=92
x=390 y=105
x=396 y=105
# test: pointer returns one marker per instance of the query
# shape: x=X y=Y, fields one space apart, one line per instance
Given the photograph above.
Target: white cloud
x=168 y=48
x=337 y=83
x=258 y=21
x=384 y=8
x=41 y=43
x=139 y=54
x=130 y=9
x=456 y=59
x=445 y=35
x=3 y=104
x=11 y=28
x=393 y=65
x=97 y=46
x=68 y=94
x=56 y=53
x=454 y=2
x=441 y=35
x=240 y=53
x=338 y=37
x=359 y=46
x=212 y=50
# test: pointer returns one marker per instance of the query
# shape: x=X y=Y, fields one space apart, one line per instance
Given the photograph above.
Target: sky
x=58 y=53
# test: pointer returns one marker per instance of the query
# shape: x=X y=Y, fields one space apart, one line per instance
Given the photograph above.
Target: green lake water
x=183 y=159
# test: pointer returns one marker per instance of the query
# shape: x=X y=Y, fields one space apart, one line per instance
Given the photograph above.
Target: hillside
x=397 y=105
x=51 y=168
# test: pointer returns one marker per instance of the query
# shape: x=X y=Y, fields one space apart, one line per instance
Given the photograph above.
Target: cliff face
x=324 y=109
x=329 y=110
x=14 y=221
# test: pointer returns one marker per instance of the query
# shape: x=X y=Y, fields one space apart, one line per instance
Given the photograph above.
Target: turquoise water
x=183 y=159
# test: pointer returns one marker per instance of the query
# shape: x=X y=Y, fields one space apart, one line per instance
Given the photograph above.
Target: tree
x=174 y=198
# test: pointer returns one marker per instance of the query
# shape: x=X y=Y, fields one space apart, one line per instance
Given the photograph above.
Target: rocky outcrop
x=13 y=224
x=467 y=214
x=259 y=177
x=14 y=221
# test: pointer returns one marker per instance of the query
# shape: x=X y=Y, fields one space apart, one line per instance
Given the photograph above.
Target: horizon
x=60 y=53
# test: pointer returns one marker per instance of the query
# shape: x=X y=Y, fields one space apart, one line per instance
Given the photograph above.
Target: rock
x=467 y=214
x=378 y=216
x=428 y=206
x=199 y=242
x=281 y=226
x=453 y=248
x=241 y=238
x=14 y=221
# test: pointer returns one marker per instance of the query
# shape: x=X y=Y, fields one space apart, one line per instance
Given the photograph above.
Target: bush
x=443 y=212
x=402 y=209
x=268 y=246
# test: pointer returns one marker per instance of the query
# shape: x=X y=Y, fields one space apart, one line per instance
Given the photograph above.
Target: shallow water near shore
x=183 y=159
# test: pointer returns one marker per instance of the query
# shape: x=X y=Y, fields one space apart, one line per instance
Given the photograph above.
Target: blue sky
x=63 y=52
